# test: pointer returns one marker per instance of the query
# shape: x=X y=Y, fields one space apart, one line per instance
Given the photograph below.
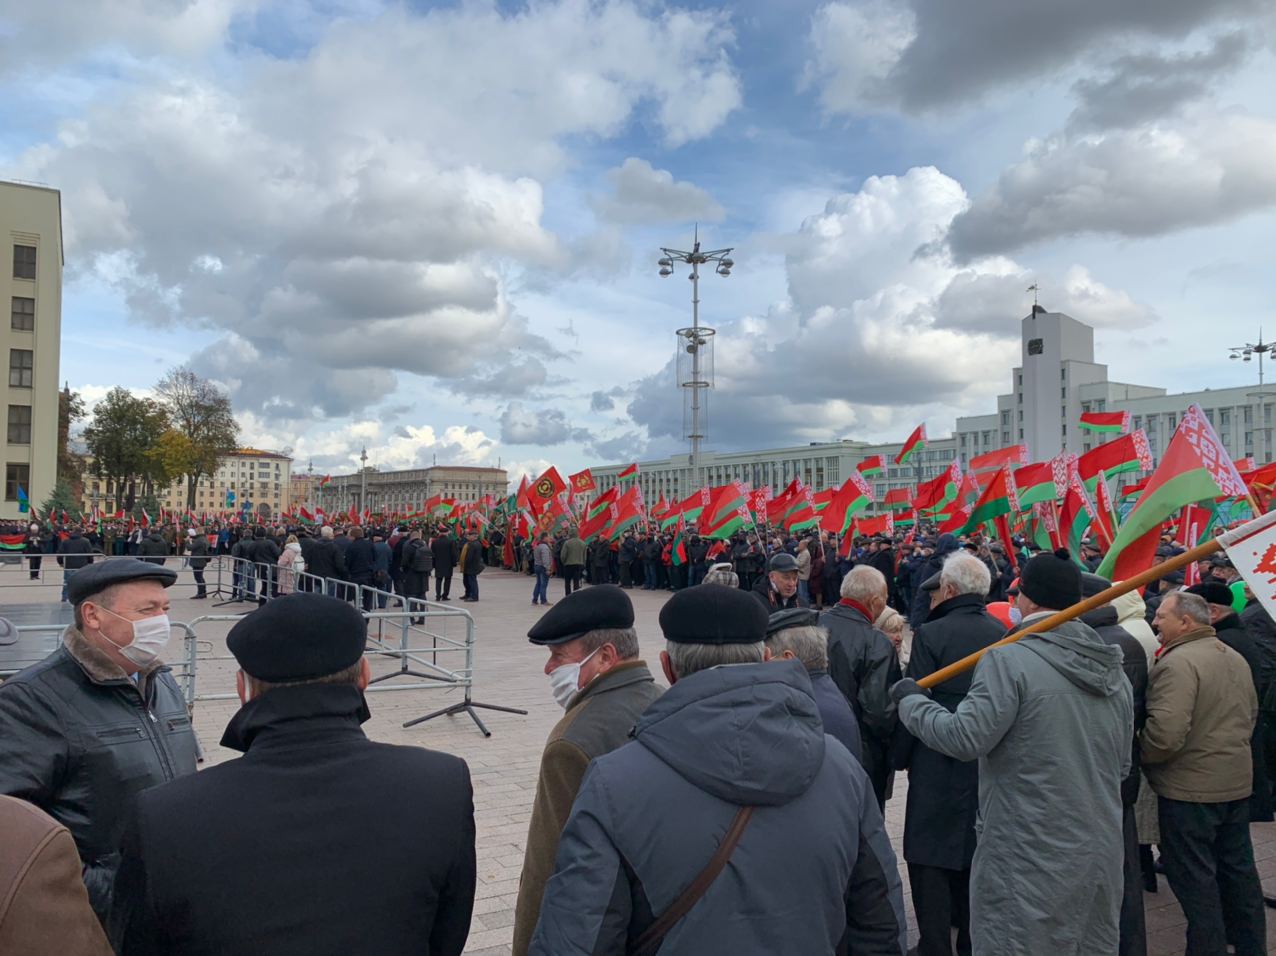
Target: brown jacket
x=44 y=907
x=1201 y=711
x=598 y=720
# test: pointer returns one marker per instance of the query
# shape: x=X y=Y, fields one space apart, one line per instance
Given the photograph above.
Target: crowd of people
x=741 y=810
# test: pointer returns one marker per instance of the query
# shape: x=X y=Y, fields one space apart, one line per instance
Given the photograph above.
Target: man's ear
x=667 y=666
x=365 y=674
x=241 y=687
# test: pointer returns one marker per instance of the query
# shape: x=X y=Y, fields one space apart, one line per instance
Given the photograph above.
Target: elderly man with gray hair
x=943 y=792
x=730 y=823
x=796 y=634
x=863 y=665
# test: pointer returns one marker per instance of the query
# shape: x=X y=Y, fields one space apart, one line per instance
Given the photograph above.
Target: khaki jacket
x=44 y=907
x=1201 y=712
x=598 y=720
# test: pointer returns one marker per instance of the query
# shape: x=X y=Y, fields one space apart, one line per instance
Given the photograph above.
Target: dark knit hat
x=1214 y=593
x=591 y=608
x=713 y=614
x=1051 y=580
x=298 y=637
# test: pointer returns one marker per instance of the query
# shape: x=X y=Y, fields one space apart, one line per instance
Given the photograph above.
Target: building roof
x=257 y=453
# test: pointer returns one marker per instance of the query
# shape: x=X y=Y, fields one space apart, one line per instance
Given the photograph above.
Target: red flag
x=583 y=481
x=1015 y=455
x=545 y=488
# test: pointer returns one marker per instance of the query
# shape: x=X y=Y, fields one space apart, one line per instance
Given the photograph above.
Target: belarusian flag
x=881 y=524
x=998 y=499
x=872 y=465
x=852 y=497
x=821 y=499
x=1127 y=453
x=625 y=513
x=801 y=512
x=522 y=499
x=758 y=499
x=1105 y=519
x=1195 y=467
x=602 y=502
x=629 y=471
x=1132 y=491
x=727 y=513
x=779 y=506
x=1014 y=455
x=583 y=481
x=13 y=542
x=1112 y=422
x=1035 y=483
x=1244 y=464
x=934 y=495
x=678 y=552
x=1075 y=518
x=325 y=481
x=899 y=499
x=661 y=508
x=916 y=440
x=306 y=516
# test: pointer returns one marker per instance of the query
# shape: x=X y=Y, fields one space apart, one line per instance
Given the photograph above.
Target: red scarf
x=851 y=603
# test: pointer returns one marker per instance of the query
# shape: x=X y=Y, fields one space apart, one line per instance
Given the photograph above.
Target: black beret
x=783 y=561
x=298 y=637
x=1051 y=580
x=792 y=617
x=600 y=605
x=932 y=582
x=713 y=614
x=1092 y=584
x=100 y=575
x=1213 y=592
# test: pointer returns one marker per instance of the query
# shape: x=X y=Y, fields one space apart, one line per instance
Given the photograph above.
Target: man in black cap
x=317 y=840
x=778 y=588
x=101 y=718
x=595 y=674
x=733 y=759
x=796 y=635
x=1050 y=720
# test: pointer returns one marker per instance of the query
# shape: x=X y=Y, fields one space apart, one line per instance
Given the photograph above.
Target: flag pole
x=1153 y=573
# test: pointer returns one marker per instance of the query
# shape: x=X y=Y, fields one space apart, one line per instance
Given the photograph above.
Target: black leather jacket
x=80 y=744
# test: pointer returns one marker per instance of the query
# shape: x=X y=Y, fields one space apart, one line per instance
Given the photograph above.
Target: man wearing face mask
x=596 y=676
x=101 y=718
x=316 y=840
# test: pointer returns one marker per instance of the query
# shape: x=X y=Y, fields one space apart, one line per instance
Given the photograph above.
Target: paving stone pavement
x=508 y=671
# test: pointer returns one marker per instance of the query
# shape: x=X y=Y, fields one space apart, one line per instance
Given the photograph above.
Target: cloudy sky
x=432 y=228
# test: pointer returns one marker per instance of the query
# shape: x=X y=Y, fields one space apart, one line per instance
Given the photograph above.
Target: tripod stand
x=233 y=596
x=466 y=706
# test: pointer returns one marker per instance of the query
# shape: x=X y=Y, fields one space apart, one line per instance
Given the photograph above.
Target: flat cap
x=792 y=617
x=601 y=605
x=298 y=637
x=932 y=582
x=1092 y=584
x=100 y=575
x=1214 y=592
x=782 y=561
x=713 y=614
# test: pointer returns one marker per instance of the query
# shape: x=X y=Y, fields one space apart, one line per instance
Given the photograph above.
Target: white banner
x=1252 y=548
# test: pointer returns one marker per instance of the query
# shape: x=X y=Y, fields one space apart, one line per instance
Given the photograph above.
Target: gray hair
x=809 y=644
x=624 y=639
x=722 y=574
x=966 y=574
x=1190 y=605
x=862 y=583
x=325 y=531
x=687 y=659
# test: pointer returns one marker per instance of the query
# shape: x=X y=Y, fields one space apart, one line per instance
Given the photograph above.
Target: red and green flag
x=1105 y=516
x=629 y=471
x=1112 y=423
x=872 y=465
x=853 y=497
x=678 y=551
x=916 y=442
x=935 y=495
x=1128 y=453
x=1195 y=468
x=999 y=498
x=13 y=542
x=625 y=513
x=879 y=524
x=727 y=513
x=325 y=481
x=1014 y=456
x=1035 y=483
x=899 y=499
x=1075 y=517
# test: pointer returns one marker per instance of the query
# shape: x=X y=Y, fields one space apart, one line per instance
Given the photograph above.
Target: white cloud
x=854 y=48
x=642 y=195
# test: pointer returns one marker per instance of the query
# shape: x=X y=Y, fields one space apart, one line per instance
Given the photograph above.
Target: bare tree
x=200 y=411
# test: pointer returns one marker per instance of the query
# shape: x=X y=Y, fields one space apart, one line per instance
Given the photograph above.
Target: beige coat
x=1201 y=712
x=44 y=907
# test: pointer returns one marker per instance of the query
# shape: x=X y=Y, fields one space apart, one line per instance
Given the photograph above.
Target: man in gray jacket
x=1050 y=719
x=813 y=868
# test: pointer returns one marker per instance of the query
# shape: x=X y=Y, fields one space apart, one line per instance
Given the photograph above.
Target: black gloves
x=907 y=688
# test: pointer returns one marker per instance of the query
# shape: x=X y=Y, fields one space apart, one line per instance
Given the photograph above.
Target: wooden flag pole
x=1089 y=604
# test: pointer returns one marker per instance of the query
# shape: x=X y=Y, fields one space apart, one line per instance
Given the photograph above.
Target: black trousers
x=1209 y=863
x=1133 y=928
x=625 y=580
x=200 y=590
x=442 y=585
x=571 y=577
x=941 y=900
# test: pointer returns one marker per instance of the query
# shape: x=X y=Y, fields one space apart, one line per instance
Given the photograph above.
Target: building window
x=22 y=313
x=19 y=424
x=1063 y=394
x=21 y=366
x=1036 y=346
x=24 y=262
x=14 y=475
x=1224 y=417
x=1063 y=374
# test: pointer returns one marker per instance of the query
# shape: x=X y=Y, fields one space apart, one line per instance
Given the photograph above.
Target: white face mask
x=1016 y=615
x=564 y=680
x=150 y=634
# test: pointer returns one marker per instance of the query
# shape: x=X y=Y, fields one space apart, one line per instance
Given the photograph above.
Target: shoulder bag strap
x=652 y=937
